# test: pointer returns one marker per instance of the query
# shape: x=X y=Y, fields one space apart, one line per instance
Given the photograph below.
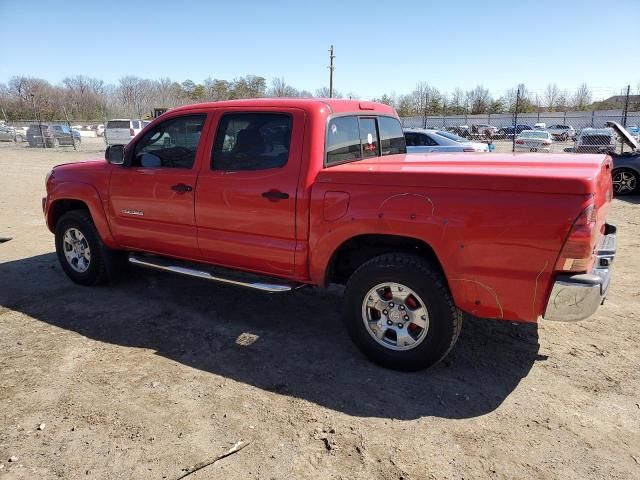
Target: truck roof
x=334 y=105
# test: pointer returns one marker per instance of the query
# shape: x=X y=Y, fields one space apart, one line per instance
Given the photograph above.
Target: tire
x=19 y=138
x=625 y=182
x=76 y=142
x=421 y=284
x=55 y=143
x=102 y=264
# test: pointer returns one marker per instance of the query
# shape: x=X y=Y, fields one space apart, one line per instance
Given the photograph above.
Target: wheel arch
x=69 y=196
x=355 y=251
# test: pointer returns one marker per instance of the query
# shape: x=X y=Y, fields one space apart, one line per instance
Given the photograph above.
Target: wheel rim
x=395 y=316
x=76 y=250
x=624 y=182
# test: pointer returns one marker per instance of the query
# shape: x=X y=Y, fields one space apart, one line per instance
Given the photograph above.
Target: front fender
x=86 y=194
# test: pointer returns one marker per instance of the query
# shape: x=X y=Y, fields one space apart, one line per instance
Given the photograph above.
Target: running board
x=215 y=274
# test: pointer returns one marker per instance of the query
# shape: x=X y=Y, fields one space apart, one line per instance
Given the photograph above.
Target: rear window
x=352 y=138
x=391 y=137
x=118 y=124
x=596 y=140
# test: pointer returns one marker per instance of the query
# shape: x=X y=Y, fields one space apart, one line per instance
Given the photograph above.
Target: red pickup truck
x=275 y=194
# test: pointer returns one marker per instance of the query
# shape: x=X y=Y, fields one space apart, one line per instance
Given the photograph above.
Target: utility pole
x=331 y=69
x=515 y=121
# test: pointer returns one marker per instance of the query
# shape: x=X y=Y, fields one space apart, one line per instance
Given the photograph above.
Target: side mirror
x=114 y=154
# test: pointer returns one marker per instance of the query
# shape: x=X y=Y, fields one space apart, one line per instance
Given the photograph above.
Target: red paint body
x=496 y=222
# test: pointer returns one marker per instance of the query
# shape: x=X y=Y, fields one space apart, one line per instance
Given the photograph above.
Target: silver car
x=7 y=133
x=422 y=140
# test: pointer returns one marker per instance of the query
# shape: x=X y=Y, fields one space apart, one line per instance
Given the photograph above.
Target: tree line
x=81 y=97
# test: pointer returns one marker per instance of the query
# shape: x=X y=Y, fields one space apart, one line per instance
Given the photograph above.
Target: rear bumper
x=576 y=297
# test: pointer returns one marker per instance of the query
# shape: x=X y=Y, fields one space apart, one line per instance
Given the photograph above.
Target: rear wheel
x=625 y=181
x=400 y=312
x=55 y=143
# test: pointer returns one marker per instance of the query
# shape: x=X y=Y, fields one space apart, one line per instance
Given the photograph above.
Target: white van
x=121 y=131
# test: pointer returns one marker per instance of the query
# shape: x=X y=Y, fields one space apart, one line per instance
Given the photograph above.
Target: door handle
x=181 y=188
x=275 y=195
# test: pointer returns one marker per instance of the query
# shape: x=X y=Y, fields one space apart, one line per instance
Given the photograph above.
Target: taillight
x=131 y=132
x=520 y=142
x=577 y=254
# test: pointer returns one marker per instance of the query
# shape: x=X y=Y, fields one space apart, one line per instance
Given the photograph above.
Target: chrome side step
x=215 y=274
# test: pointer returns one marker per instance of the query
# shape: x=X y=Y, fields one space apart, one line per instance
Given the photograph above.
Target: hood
x=624 y=135
x=549 y=173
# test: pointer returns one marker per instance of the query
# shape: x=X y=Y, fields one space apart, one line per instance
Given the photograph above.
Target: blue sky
x=380 y=46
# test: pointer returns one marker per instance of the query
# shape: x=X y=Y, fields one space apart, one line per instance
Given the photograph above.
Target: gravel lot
x=148 y=377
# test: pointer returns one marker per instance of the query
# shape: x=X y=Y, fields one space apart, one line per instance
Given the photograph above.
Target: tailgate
x=603 y=195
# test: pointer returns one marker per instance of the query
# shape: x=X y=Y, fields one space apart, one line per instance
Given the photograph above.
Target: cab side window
x=170 y=144
x=352 y=137
x=252 y=141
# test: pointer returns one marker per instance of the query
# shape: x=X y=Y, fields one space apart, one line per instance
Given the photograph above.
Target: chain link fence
x=581 y=132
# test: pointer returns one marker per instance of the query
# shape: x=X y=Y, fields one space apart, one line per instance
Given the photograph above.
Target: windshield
x=452 y=136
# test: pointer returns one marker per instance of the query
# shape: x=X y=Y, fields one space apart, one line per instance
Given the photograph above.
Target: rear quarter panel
x=497 y=249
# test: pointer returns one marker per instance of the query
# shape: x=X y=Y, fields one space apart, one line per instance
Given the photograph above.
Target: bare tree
x=457 y=103
x=551 y=97
x=582 y=97
x=479 y=100
x=280 y=88
x=324 y=93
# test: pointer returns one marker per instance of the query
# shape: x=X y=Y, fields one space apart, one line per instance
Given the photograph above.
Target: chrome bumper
x=576 y=297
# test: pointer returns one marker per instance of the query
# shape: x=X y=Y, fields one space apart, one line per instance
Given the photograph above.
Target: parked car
x=540 y=126
x=562 y=132
x=596 y=140
x=533 y=141
x=7 y=133
x=420 y=140
x=461 y=130
x=484 y=130
x=477 y=146
x=21 y=134
x=634 y=130
x=100 y=130
x=54 y=135
x=506 y=132
x=274 y=194
x=121 y=131
x=626 y=166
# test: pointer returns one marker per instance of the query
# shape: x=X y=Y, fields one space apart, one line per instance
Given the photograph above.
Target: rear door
x=152 y=197
x=246 y=196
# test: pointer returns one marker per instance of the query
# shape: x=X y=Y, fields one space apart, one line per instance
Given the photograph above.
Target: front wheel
x=400 y=312
x=625 y=181
x=81 y=253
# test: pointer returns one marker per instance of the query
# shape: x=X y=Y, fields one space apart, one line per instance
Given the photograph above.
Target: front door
x=246 y=197
x=152 y=195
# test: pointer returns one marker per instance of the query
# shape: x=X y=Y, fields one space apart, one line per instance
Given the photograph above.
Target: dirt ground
x=145 y=378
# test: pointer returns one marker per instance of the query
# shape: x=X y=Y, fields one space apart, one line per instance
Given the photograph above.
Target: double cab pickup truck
x=275 y=194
